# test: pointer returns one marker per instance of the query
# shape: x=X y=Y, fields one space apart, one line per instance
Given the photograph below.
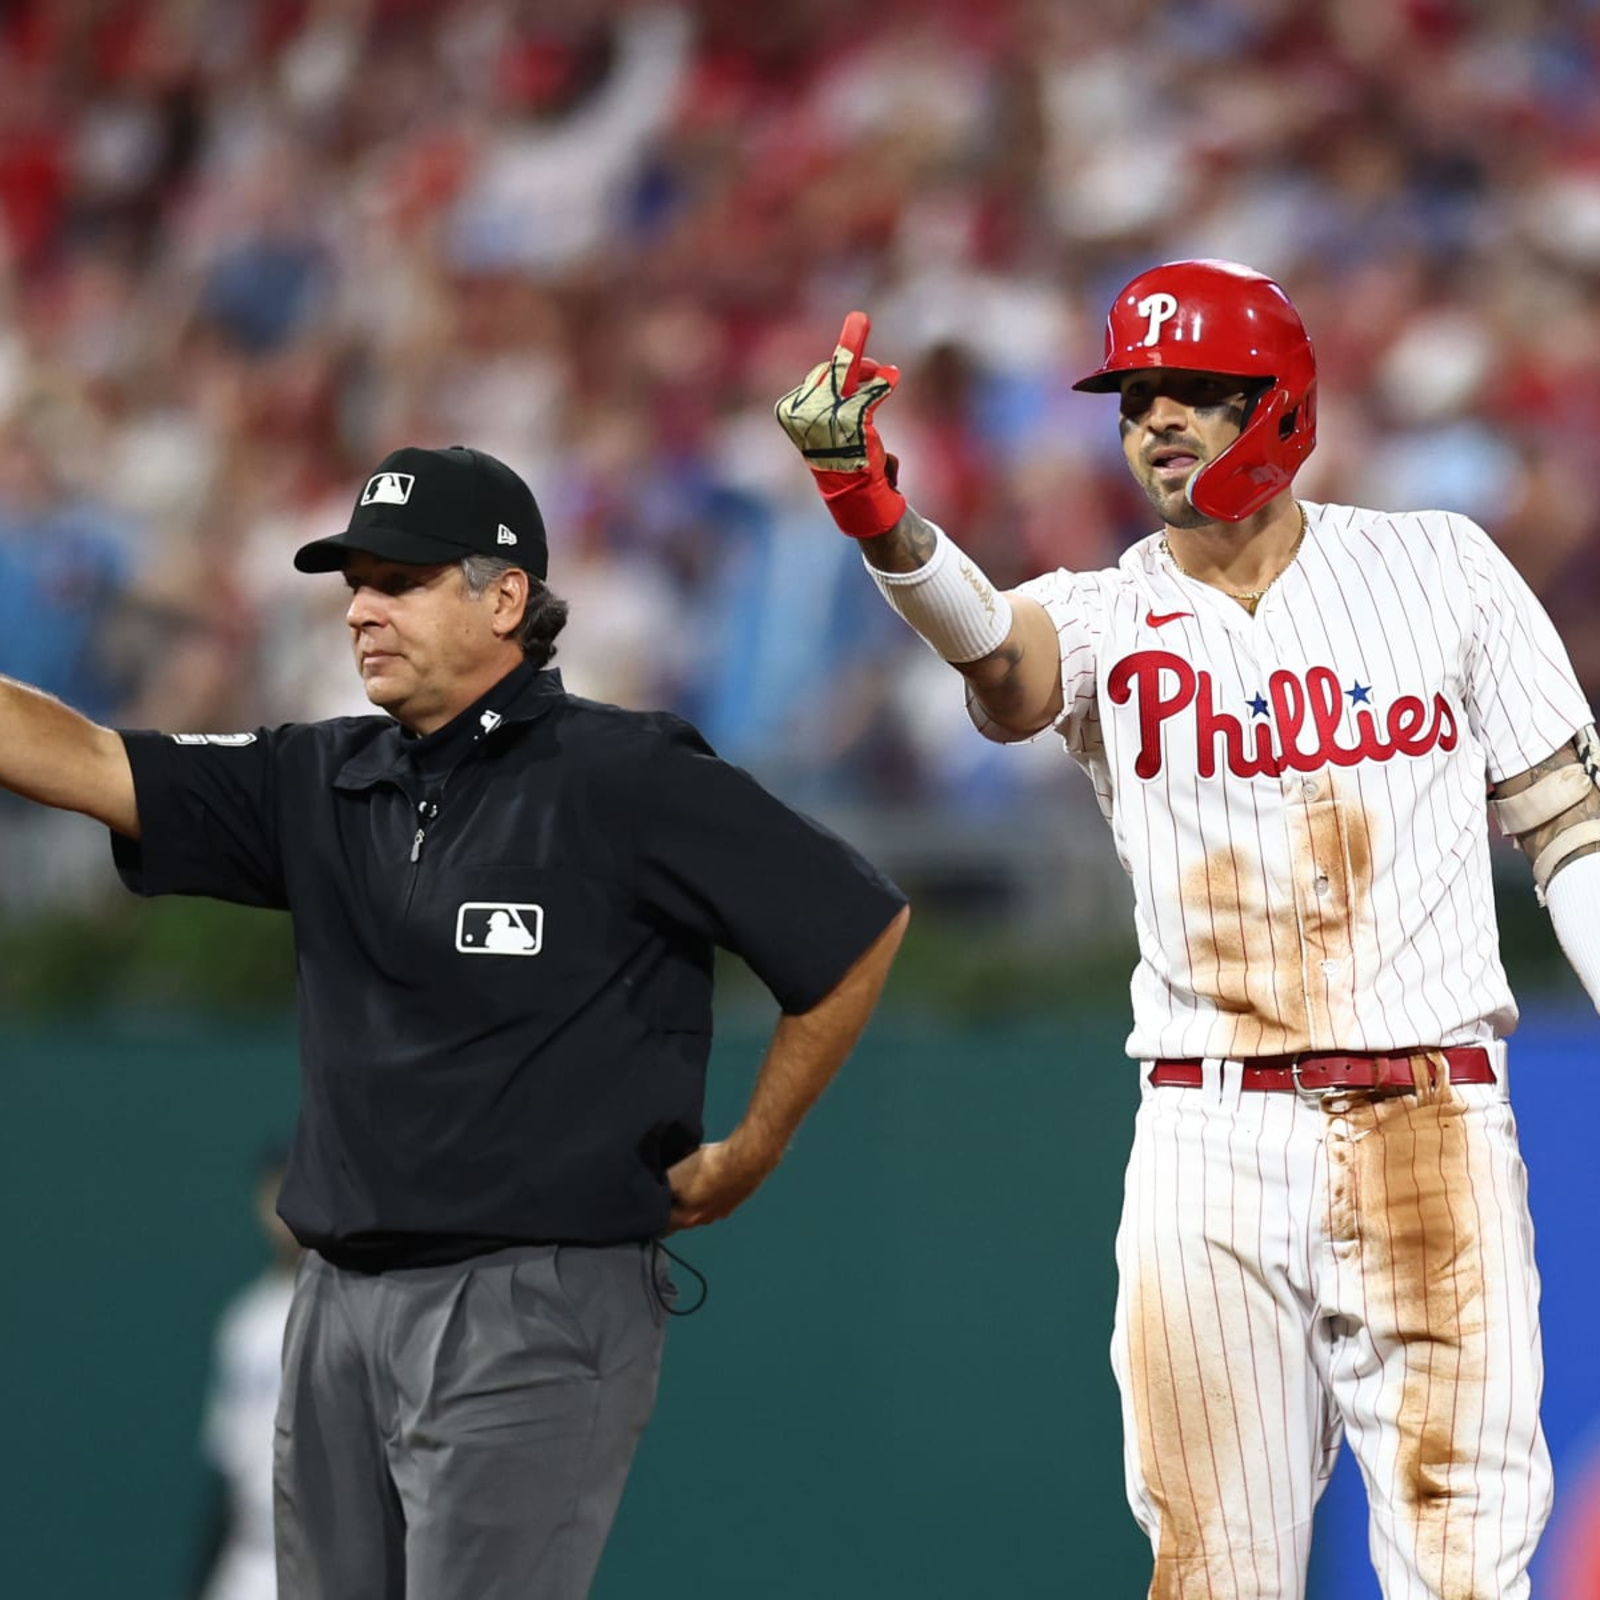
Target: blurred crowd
x=249 y=246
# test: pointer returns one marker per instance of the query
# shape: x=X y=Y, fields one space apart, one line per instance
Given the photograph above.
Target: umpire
x=505 y=902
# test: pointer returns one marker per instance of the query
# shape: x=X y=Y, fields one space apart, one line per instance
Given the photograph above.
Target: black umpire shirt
x=504 y=939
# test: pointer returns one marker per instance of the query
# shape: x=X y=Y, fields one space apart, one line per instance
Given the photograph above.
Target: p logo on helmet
x=1218 y=316
x=1158 y=308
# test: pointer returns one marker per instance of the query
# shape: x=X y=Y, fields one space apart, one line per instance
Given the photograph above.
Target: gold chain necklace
x=1248 y=598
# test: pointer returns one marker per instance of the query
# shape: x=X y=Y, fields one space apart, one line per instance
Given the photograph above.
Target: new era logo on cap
x=505 y=535
x=388 y=489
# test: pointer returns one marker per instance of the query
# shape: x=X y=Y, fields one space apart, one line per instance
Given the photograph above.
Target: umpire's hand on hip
x=714 y=1180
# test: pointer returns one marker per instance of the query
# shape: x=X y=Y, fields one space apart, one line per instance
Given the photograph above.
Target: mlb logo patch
x=499 y=928
x=388 y=489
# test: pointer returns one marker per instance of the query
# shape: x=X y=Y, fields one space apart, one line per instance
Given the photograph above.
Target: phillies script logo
x=1167 y=686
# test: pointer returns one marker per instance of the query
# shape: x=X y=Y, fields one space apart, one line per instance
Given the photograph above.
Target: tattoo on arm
x=995 y=675
x=905 y=547
x=1018 y=690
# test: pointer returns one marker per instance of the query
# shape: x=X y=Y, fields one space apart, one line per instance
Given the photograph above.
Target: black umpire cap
x=428 y=507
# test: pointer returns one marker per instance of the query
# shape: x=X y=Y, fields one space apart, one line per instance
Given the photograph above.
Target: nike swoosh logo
x=1152 y=620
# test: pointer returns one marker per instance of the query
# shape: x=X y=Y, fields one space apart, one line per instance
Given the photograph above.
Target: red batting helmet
x=1217 y=316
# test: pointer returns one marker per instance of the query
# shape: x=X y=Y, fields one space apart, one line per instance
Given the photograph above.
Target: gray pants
x=462 y=1432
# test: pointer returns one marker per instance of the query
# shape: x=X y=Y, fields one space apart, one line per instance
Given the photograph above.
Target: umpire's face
x=427 y=647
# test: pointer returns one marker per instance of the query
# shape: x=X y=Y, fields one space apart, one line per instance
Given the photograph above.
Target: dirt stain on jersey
x=1407 y=1169
x=1286 y=967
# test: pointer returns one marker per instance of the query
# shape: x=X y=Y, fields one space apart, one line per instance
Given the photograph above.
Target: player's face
x=1173 y=423
x=425 y=648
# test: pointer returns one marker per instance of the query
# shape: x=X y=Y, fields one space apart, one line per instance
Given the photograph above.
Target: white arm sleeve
x=1573 y=900
x=950 y=601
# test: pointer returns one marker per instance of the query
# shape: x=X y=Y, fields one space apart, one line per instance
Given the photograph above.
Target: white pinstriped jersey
x=1299 y=796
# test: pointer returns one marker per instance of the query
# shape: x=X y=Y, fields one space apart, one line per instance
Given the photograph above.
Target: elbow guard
x=1550 y=797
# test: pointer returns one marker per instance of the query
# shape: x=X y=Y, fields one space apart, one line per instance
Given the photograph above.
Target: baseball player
x=1290 y=714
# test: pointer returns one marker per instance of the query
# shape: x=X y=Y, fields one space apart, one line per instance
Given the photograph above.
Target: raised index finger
x=853 y=338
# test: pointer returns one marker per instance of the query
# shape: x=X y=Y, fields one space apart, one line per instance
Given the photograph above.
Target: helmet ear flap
x=1254 y=394
x=1242 y=478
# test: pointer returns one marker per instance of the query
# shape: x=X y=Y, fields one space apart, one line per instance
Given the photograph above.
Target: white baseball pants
x=1294 y=1272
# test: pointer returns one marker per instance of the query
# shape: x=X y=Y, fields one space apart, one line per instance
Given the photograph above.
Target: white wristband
x=1573 y=899
x=949 y=601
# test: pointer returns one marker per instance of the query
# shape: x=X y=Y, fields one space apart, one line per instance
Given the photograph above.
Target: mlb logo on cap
x=427 y=507
x=388 y=489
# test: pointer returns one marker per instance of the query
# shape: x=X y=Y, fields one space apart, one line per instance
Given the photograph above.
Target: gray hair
x=544 y=617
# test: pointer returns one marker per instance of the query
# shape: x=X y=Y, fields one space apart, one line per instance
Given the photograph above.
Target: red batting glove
x=829 y=418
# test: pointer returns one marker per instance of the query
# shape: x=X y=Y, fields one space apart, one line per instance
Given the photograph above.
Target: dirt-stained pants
x=1295 y=1272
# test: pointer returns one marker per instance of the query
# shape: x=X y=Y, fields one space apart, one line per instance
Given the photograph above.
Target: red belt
x=1324 y=1072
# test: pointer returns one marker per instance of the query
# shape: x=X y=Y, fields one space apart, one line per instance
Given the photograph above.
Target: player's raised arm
x=1003 y=644
x=55 y=755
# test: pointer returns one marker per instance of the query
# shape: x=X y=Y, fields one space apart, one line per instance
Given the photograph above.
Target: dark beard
x=1183 y=515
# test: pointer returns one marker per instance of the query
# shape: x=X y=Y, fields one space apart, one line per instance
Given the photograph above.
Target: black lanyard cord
x=665 y=1297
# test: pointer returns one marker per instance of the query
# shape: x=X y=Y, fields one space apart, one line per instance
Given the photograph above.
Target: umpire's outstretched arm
x=55 y=755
